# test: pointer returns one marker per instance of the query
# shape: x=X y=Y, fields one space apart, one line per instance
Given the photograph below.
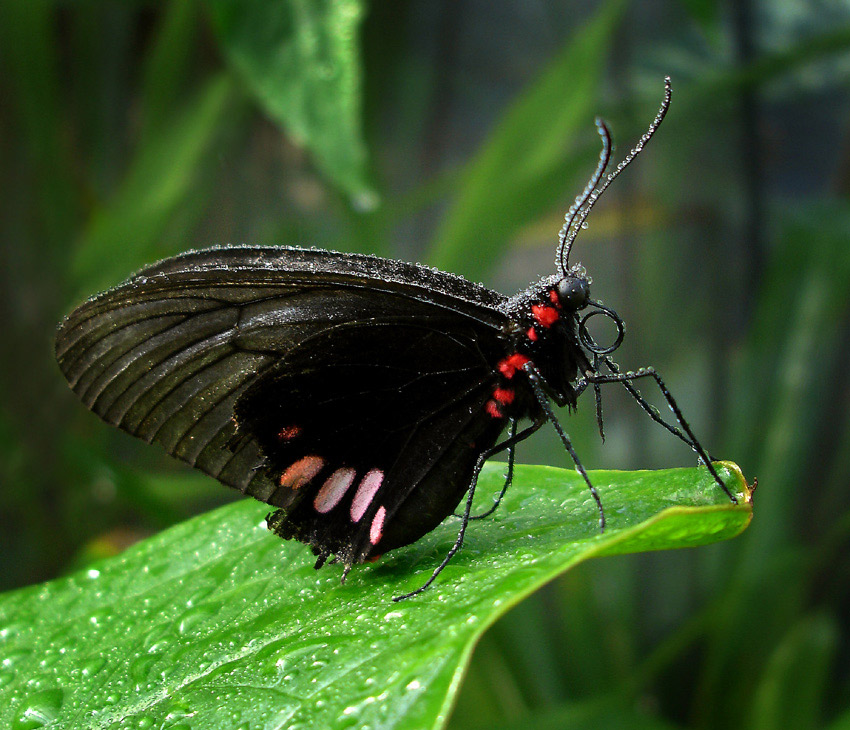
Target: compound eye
x=573 y=293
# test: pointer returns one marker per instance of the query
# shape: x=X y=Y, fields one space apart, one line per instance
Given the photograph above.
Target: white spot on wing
x=376 y=531
x=366 y=490
x=333 y=490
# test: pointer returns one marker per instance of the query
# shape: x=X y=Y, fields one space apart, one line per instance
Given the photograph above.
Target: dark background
x=128 y=132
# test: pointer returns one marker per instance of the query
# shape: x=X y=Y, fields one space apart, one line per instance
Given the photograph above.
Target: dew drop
x=9 y=631
x=197 y=616
x=41 y=708
x=142 y=668
x=93 y=666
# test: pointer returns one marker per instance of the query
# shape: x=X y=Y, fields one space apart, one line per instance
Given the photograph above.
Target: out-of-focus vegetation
x=457 y=134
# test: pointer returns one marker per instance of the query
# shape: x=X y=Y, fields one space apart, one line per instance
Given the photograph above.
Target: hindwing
x=371 y=432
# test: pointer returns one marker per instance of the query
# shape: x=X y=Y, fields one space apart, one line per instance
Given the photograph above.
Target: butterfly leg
x=508 y=443
x=509 y=477
x=688 y=436
x=580 y=387
x=649 y=409
x=536 y=381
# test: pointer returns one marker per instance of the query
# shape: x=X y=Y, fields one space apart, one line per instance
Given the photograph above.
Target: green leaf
x=501 y=189
x=167 y=63
x=162 y=179
x=704 y=12
x=29 y=49
x=219 y=623
x=842 y=723
x=718 y=88
x=301 y=61
x=602 y=713
x=791 y=691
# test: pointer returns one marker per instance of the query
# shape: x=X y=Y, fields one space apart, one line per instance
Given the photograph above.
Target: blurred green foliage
x=131 y=131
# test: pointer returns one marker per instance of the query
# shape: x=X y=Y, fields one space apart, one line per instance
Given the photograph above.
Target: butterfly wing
x=371 y=432
x=168 y=355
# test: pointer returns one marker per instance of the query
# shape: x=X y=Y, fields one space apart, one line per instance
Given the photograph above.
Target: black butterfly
x=360 y=396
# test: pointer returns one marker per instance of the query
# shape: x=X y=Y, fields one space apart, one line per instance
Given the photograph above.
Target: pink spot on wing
x=301 y=472
x=366 y=490
x=333 y=490
x=376 y=531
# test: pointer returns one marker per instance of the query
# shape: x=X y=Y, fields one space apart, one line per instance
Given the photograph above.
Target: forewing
x=166 y=355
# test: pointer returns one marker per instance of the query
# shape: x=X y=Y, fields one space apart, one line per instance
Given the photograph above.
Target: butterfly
x=359 y=396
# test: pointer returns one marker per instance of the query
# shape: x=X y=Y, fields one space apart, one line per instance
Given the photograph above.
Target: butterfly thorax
x=543 y=330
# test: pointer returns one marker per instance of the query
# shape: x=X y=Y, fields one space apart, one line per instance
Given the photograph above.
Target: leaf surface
x=217 y=623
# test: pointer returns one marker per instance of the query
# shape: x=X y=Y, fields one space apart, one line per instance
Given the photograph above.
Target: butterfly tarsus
x=688 y=436
x=345 y=571
x=509 y=477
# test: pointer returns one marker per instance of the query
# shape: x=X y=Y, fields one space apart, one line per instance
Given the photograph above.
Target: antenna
x=578 y=204
x=578 y=212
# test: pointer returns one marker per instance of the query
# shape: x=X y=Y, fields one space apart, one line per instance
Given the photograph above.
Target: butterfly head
x=570 y=295
x=573 y=292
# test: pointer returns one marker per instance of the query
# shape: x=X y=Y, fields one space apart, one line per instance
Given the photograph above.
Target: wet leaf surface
x=217 y=623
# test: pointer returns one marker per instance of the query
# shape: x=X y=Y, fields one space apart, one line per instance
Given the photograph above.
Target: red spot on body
x=531 y=334
x=376 y=531
x=503 y=395
x=287 y=433
x=553 y=297
x=545 y=315
x=493 y=409
x=511 y=364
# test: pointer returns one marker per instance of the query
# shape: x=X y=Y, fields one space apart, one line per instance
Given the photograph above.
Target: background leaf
x=300 y=59
x=525 y=163
x=790 y=692
x=161 y=178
